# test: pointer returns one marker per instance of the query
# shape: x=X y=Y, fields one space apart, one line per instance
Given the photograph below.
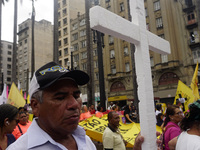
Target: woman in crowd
x=189 y=139
x=85 y=113
x=159 y=119
x=172 y=129
x=128 y=115
x=8 y=121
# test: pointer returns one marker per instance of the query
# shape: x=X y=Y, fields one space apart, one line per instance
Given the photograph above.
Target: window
x=112 y=53
x=66 y=51
x=65 y=41
x=111 y=39
x=159 y=23
x=8 y=66
x=168 y=78
x=162 y=36
x=60 y=43
x=58 y=14
x=83 y=44
x=25 y=41
x=58 y=5
x=113 y=69
x=156 y=5
x=25 y=32
x=75 y=36
x=122 y=7
x=107 y=1
x=75 y=47
x=64 y=12
x=84 y=66
x=127 y=67
x=8 y=72
x=65 y=21
x=84 y=55
x=75 y=26
x=9 y=46
x=65 y=61
x=82 y=33
x=146 y=12
x=164 y=58
x=65 y=31
x=64 y=2
x=125 y=51
x=59 y=33
x=147 y=26
x=8 y=79
x=151 y=61
x=9 y=52
x=95 y=52
x=20 y=44
x=9 y=59
x=196 y=53
x=95 y=64
x=97 y=75
x=60 y=53
x=82 y=22
x=76 y=58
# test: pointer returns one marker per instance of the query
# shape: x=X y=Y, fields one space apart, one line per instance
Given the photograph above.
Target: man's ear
x=35 y=105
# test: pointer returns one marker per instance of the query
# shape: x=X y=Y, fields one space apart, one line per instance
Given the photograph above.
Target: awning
x=117 y=98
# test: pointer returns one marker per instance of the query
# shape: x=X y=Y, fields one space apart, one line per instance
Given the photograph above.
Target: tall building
x=67 y=10
x=43 y=46
x=6 y=63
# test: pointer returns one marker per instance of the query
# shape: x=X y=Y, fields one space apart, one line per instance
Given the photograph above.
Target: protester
x=22 y=126
x=54 y=92
x=112 y=139
x=92 y=110
x=8 y=121
x=189 y=139
x=85 y=114
x=128 y=115
x=111 y=105
x=158 y=109
x=173 y=117
x=99 y=111
x=159 y=119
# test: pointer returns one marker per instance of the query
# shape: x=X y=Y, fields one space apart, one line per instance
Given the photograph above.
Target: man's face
x=59 y=112
x=22 y=118
x=114 y=121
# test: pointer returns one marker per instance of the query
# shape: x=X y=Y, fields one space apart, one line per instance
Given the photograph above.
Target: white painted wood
x=135 y=32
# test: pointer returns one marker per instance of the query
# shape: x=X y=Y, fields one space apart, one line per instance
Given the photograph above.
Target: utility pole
x=135 y=85
x=90 y=64
x=33 y=49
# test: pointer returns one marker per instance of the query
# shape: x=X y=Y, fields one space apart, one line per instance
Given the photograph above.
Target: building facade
x=175 y=21
x=6 y=63
x=43 y=47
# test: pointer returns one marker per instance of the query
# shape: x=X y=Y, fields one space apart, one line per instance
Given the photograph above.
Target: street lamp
x=1 y=80
x=72 y=49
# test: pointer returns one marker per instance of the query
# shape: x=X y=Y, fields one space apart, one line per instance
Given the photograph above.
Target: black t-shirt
x=127 y=111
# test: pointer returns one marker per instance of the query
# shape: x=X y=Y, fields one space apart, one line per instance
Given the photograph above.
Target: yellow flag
x=194 y=83
x=28 y=100
x=15 y=98
x=183 y=91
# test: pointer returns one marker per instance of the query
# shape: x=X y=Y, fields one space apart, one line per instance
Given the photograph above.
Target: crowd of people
x=57 y=107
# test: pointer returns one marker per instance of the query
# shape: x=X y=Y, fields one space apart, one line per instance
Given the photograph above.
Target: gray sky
x=43 y=8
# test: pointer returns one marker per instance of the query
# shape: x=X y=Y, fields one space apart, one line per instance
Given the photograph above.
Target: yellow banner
x=15 y=98
x=95 y=127
x=117 y=98
x=183 y=91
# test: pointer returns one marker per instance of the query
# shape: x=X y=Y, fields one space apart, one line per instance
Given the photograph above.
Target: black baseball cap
x=50 y=73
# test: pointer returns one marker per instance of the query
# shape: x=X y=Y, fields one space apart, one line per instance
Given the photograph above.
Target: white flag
x=3 y=97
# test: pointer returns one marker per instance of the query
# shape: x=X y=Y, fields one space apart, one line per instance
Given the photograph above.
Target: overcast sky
x=43 y=8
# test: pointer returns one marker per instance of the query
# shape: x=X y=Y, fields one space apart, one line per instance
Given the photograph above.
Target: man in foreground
x=54 y=92
x=112 y=139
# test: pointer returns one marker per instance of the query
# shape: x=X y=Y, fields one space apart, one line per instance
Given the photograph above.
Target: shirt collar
x=37 y=136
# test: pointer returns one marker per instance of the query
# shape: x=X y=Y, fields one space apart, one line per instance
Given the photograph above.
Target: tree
x=55 y=37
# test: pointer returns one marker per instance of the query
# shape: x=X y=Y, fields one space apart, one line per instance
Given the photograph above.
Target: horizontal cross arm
x=112 y=24
x=158 y=44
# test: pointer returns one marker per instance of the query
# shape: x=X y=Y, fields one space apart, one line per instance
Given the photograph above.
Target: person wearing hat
x=53 y=94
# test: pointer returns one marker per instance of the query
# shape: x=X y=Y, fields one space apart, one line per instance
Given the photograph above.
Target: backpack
x=161 y=138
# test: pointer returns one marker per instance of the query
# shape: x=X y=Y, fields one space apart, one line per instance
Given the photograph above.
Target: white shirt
x=188 y=142
x=37 y=139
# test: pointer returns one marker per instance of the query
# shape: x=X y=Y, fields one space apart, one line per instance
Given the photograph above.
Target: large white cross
x=135 y=32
